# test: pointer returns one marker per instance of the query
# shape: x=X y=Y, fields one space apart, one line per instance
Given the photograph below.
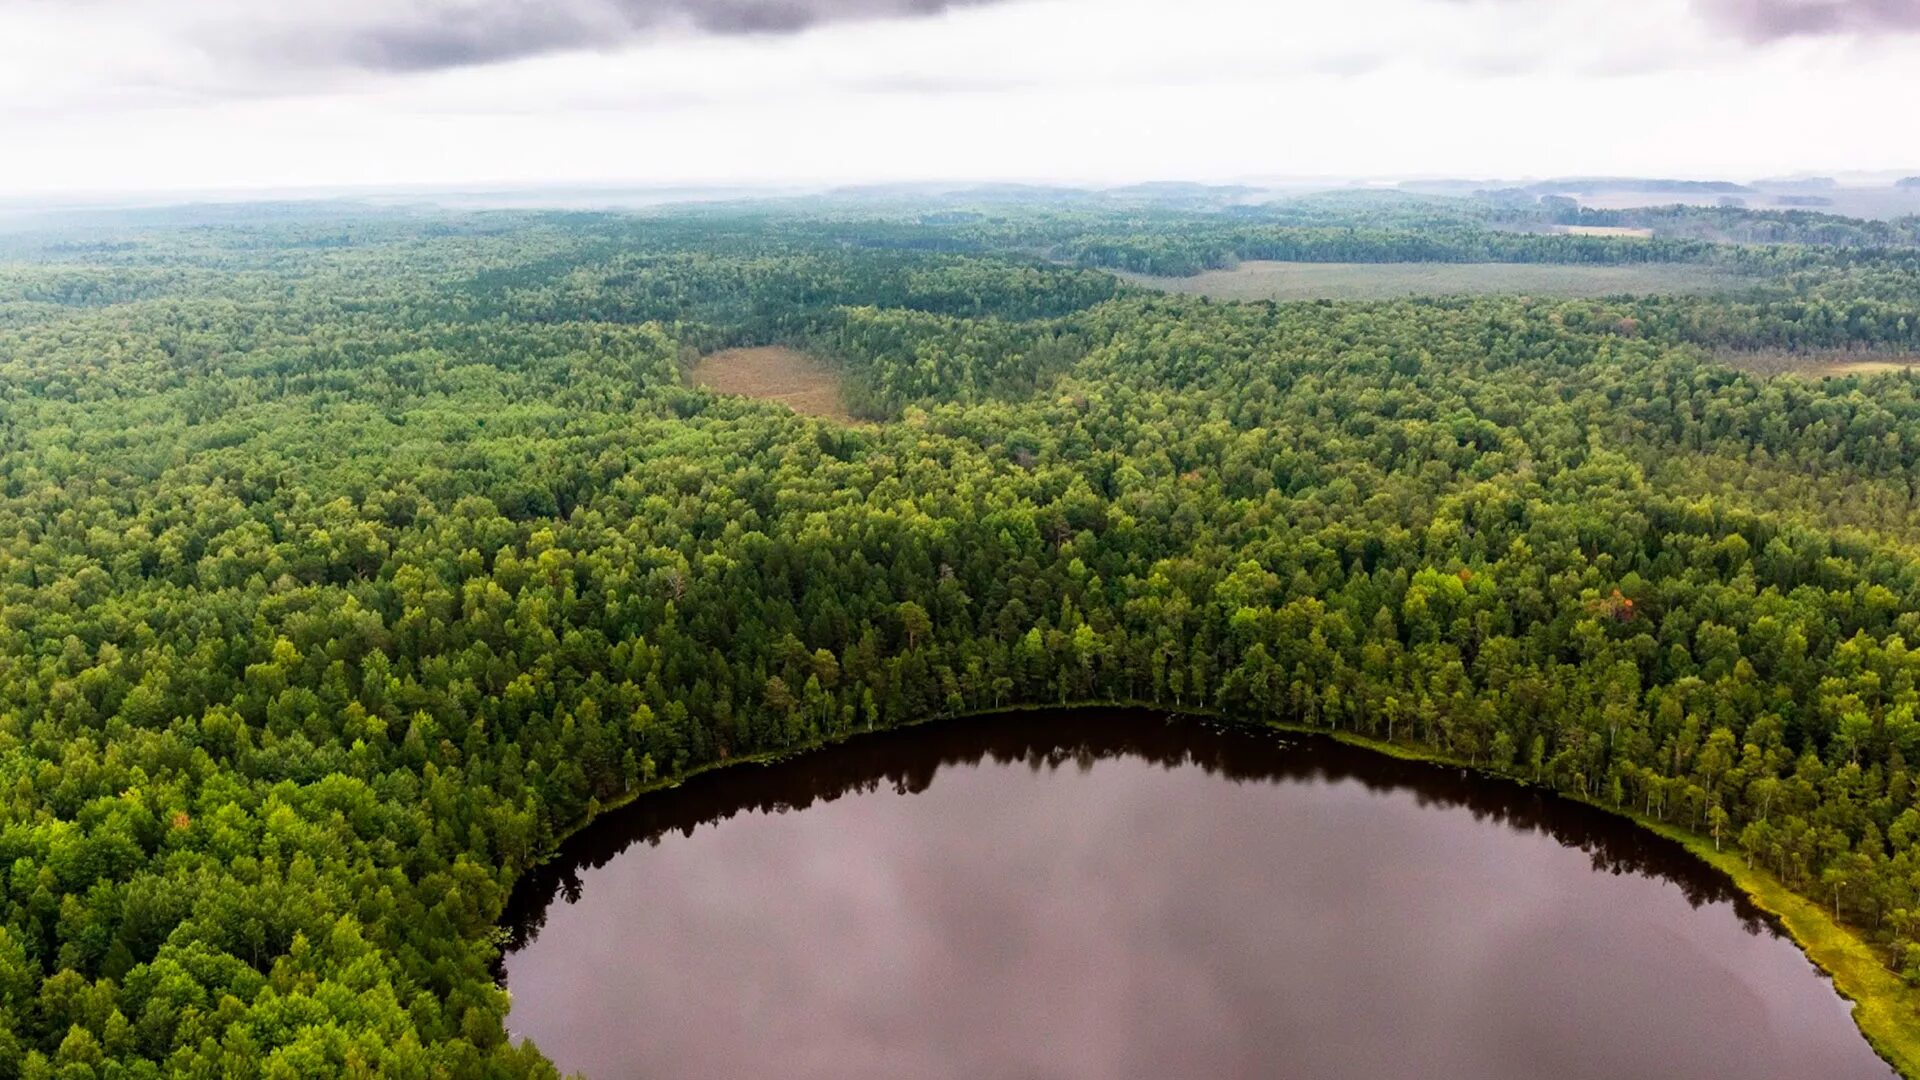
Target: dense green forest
x=348 y=560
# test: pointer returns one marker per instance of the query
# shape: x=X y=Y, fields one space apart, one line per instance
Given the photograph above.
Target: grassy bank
x=1884 y=1006
x=1886 y=1009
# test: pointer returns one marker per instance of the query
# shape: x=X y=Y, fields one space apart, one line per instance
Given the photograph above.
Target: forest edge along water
x=908 y=761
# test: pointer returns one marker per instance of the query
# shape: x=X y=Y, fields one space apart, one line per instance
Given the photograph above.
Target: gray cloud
x=1772 y=20
x=429 y=35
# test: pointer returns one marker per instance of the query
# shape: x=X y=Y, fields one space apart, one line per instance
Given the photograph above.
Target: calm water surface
x=1119 y=895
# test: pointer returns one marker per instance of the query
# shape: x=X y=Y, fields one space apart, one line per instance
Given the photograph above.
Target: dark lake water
x=1107 y=894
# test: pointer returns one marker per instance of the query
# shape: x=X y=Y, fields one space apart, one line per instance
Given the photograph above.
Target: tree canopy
x=349 y=560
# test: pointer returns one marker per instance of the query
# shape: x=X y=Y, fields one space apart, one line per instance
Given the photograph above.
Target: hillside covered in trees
x=348 y=560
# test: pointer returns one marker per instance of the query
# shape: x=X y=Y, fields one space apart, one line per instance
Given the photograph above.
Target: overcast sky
x=114 y=95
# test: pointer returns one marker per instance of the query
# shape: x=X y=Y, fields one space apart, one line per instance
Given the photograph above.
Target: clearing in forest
x=1816 y=365
x=1618 y=231
x=1259 y=280
x=1868 y=367
x=775 y=373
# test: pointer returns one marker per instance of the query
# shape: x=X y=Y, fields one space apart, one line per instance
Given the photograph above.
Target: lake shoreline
x=1886 y=1011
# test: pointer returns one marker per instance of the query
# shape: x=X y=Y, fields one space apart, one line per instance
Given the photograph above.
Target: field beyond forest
x=1262 y=280
x=1818 y=363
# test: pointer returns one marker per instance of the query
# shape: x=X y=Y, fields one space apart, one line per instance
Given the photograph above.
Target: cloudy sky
x=114 y=95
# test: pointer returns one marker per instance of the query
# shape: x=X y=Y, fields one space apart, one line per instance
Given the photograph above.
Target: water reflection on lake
x=1114 y=894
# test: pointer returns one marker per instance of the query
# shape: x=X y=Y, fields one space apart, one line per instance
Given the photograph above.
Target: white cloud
x=1038 y=89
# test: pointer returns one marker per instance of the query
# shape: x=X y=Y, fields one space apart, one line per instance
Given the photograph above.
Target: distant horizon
x=1280 y=185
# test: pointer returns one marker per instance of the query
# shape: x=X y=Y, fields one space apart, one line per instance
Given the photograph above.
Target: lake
x=1123 y=894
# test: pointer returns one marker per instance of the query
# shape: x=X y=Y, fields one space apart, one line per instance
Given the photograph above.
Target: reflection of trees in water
x=908 y=760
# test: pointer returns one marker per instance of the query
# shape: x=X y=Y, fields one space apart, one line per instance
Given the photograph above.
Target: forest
x=351 y=559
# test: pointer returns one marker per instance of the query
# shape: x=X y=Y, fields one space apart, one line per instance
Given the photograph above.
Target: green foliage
x=347 y=564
